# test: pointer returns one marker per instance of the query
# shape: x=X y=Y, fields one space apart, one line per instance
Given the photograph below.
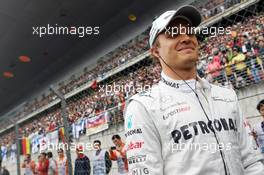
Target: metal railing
x=239 y=74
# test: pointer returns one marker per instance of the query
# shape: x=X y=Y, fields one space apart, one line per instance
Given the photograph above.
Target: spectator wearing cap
x=82 y=163
x=101 y=161
x=62 y=163
x=259 y=127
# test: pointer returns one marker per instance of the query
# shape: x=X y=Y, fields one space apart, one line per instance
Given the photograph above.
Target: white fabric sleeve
x=143 y=142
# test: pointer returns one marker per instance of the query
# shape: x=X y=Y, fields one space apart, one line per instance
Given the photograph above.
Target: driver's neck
x=183 y=74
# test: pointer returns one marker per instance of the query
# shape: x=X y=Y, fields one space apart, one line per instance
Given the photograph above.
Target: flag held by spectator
x=25 y=146
x=96 y=124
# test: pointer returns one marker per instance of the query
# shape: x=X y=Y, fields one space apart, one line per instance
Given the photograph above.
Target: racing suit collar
x=182 y=86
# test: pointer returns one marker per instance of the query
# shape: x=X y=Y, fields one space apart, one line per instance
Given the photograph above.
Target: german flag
x=24 y=146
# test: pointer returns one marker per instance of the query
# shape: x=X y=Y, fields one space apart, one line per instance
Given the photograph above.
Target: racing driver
x=184 y=125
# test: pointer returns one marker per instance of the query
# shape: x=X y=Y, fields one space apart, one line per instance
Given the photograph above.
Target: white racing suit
x=168 y=133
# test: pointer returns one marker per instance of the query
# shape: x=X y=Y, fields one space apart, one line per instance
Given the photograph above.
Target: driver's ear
x=154 y=51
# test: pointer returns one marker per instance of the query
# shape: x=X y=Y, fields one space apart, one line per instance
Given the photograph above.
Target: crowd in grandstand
x=214 y=7
x=105 y=64
x=235 y=59
x=240 y=54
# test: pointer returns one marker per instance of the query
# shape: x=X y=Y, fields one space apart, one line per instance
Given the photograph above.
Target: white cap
x=188 y=12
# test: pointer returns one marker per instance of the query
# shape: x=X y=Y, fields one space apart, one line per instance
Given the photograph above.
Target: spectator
x=118 y=153
x=254 y=66
x=213 y=68
x=43 y=165
x=101 y=161
x=28 y=165
x=201 y=67
x=229 y=54
x=259 y=128
x=247 y=47
x=240 y=66
x=53 y=168
x=229 y=72
x=82 y=163
x=52 y=126
x=62 y=163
